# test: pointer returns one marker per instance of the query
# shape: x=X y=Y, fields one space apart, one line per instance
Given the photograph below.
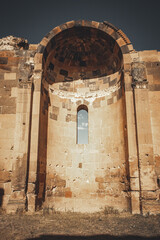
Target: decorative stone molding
x=13 y=43
x=89 y=96
x=139 y=78
x=140 y=84
x=24 y=84
x=25 y=75
x=138 y=71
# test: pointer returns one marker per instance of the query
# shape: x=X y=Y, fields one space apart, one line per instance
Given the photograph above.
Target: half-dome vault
x=81 y=53
x=82 y=69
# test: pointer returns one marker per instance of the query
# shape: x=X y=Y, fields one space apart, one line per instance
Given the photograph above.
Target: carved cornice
x=139 y=78
x=140 y=84
x=138 y=71
x=24 y=84
x=90 y=96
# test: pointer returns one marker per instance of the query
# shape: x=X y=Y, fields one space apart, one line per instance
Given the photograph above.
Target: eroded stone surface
x=42 y=88
x=11 y=43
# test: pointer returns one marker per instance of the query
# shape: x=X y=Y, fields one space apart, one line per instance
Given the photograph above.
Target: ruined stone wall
x=151 y=198
x=16 y=62
x=8 y=90
x=87 y=177
x=42 y=151
x=142 y=103
x=41 y=88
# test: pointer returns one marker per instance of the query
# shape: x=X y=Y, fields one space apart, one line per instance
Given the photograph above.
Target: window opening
x=82 y=125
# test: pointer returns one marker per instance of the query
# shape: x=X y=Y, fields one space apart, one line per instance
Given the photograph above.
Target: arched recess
x=65 y=55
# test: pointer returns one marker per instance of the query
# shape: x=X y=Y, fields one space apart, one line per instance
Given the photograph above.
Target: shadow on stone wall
x=42 y=149
x=94 y=237
x=1 y=196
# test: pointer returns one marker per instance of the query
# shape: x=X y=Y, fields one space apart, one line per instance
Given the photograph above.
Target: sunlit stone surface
x=79 y=122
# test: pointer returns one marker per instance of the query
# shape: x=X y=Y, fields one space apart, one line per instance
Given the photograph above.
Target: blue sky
x=32 y=19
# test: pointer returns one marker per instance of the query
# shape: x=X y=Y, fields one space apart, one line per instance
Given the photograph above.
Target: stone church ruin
x=79 y=122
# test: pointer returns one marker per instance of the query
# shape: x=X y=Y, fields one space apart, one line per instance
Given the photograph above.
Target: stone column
x=132 y=146
x=147 y=176
x=34 y=140
x=17 y=201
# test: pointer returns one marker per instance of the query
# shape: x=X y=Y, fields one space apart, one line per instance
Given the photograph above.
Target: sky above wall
x=33 y=19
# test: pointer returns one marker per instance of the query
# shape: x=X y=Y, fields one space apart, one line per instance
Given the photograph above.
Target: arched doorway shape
x=45 y=75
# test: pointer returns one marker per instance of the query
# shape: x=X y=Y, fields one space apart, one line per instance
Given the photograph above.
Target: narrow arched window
x=82 y=125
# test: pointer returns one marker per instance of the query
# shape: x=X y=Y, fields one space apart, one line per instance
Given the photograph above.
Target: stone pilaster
x=34 y=140
x=132 y=147
x=17 y=199
x=147 y=178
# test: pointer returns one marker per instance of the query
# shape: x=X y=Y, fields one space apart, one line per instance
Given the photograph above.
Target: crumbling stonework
x=12 y=43
x=79 y=65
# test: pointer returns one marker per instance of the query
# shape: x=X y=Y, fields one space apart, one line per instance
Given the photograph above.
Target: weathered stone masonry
x=80 y=64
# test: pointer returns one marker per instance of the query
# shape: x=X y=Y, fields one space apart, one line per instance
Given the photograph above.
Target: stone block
x=55 y=110
x=68 y=194
x=85 y=102
x=80 y=165
x=3 y=60
x=79 y=102
x=148 y=178
x=7 y=188
x=135 y=202
x=127 y=58
x=5 y=203
x=8 y=110
x=154 y=87
x=5 y=176
x=113 y=82
x=53 y=116
x=106 y=80
x=31 y=202
x=71 y=117
x=134 y=184
x=148 y=56
x=99 y=180
x=97 y=103
x=38 y=67
x=149 y=195
x=33 y=47
x=10 y=76
x=63 y=72
x=109 y=101
x=31 y=188
x=60 y=182
x=7 y=101
x=157 y=161
x=151 y=207
x=17 y=196
x=121 y=42
x=38 y=58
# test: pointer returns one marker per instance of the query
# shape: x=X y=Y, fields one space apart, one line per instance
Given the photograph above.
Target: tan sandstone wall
x=41 y=164
x=152 y=197
x=142 y=111
x=8 y=92
x=87 y=177
x=15 y=103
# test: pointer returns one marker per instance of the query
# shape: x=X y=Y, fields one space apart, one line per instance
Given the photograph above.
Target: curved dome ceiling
x=82 y=53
